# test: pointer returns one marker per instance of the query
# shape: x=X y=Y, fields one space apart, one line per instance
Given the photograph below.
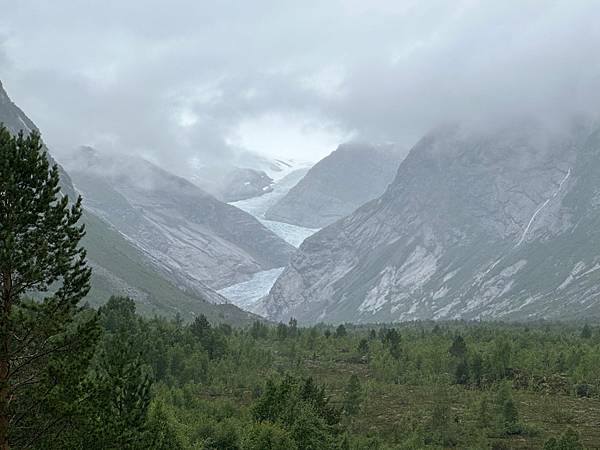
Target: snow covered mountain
x=195 y=237
x=121 y=268
x=499 y=224
x=338 y=184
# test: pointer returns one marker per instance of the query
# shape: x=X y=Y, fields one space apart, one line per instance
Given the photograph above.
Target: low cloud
x=190 y=80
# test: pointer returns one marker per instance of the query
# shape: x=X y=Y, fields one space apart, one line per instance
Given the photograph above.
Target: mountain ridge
x=119 y=268
x=463 y=232
x=196 y=236
x=338 y=184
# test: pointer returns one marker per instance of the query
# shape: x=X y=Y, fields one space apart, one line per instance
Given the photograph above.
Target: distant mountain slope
x=338 y=184
x=475 y=225
x=232 y=184
x=191 y=234
x=119 y=268
x=243 y=175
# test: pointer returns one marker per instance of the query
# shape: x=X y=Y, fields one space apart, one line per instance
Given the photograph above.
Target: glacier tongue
x=247 y=295
x=258 y=206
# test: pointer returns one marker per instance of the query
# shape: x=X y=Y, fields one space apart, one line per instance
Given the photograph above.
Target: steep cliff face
x=337 y=185
x=190 y=233
x=492 y=225
x=121 y=268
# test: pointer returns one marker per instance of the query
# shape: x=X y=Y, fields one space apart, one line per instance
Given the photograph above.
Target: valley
x=300 y=225
x=248 y=294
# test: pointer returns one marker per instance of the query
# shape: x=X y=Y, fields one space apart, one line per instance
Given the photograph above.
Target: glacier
x=247 y=294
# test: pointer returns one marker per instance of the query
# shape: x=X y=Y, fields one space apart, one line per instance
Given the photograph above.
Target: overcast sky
x=183 y=79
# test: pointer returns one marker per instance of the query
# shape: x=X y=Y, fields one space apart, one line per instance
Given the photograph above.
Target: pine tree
x=211 y=339
x=122 y=386
x=201 y=327
x=461 y=374
x=44 y=344
x=120 y=382
x=282 y=331
x=352 y=396
x=293 y=327
x=340 y=331
x=586 y=332
x=391 y=340
x=458 y=348
x=476 y=370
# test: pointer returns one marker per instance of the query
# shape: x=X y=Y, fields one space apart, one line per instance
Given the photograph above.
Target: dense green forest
x=165 y=384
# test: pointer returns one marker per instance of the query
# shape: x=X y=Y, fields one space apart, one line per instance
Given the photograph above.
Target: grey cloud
x=122 y=75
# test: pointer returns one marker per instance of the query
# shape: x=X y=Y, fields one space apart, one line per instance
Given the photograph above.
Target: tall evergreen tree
x=340 y=331
x=586 y=332
x=458 y=348
x=353 y=396
x=44 y=344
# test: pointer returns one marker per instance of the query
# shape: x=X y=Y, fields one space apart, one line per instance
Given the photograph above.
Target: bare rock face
x=122 y=268
x=334 y=187
x=194 y=236
x=475 y=225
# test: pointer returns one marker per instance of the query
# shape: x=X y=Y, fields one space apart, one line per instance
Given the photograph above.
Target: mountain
x=494 y=225
x=192 y=235
x=338 y=184
x=232 y=184
x=242 y=175
x=274 y=168
x=120 y=268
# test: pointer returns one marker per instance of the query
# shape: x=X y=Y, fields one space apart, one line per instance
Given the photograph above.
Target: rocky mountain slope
x=121 y=268
x=502 y=225
x=338 y=184
x=194 y=236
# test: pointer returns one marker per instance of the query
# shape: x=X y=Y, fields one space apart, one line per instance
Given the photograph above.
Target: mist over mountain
x=231 y=184
x=304 y=225
x=193 y=235
x=122 y=268
x=291 y=80
x=497 y=224
x=338 y=184
x=377 y=73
